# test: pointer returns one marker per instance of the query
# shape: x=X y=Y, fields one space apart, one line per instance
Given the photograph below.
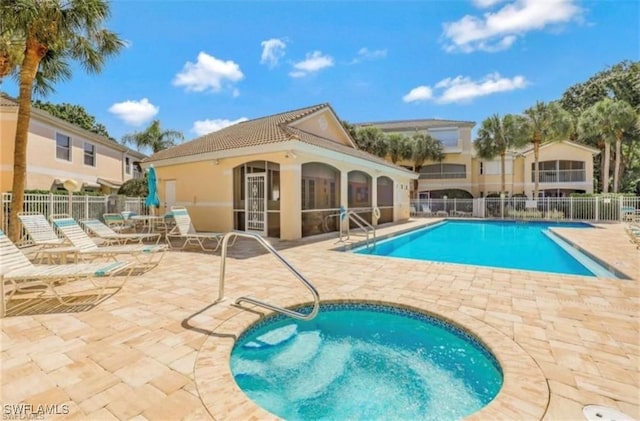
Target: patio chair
x=40 y=231
x=147 y=256
x=110 y=237
x=118 y=223
x=19 y=275
x=425 y=210
x=633 y=231
x=412 y=210
x=184 y=230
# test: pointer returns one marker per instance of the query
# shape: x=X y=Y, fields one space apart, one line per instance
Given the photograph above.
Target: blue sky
x=200 y=65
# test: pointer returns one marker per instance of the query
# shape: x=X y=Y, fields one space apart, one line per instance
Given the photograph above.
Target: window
x=440 y=171
x=448 y=137
x=63 y=147
x=89 y=154
x=127 y=165
x=494 y=167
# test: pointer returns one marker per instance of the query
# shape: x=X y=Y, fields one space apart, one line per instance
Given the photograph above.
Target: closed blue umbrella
x=152 y=195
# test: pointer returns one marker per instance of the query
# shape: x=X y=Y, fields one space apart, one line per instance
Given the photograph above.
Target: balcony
x=442 y=175
x=560 y=176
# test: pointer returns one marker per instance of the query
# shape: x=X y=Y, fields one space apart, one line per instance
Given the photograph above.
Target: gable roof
x=268 y=130
x=529 y=149
x=260 y=131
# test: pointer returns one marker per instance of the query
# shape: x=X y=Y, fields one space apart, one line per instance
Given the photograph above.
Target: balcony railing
x=561 y=176
x=442 y=175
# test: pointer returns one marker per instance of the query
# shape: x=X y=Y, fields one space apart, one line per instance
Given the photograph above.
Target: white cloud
x=202 y=127
x=134 y=113
x=498 y=30
x=208 y=73
x=486 y=3
x=313 y=62
x=365 y=54
x=421 y=93
x=272 y=51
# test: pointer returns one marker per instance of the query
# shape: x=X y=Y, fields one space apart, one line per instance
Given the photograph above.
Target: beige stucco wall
x=324 y=124
x=7 y=138
x=559 y=151
x=43 y=167
x=206 y=188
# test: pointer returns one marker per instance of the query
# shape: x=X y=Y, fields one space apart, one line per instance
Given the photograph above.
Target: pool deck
x=158 y=348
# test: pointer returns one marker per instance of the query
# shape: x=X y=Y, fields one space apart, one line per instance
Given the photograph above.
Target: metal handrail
x=270 y=249
x=361 y=223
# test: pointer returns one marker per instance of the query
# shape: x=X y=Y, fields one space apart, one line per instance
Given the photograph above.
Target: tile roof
x=260 y=131
x=7 y=101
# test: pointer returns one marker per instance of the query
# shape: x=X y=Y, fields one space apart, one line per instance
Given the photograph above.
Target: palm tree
x=54 y=32
x=609 y=120
x=398 y=147
x=153 y=137
x=424 y=148
x=373 y=140
x=496 y=136
x=544 y=123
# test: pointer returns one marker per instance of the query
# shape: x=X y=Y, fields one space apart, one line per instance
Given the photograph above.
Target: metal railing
x=442 y=175
x=592 y=209
x=366 y=227
x=274 y=252
x=77 y=206
x=560 y=176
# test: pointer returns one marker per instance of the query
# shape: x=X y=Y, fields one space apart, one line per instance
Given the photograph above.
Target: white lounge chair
x=425 y=210
x=147 y=256
x=40 y=231
x=19 y=275
x=110 y=237
x=184 y=230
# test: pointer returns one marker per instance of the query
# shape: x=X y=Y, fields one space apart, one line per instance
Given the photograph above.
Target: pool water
x=512 y=245
x=365 y=361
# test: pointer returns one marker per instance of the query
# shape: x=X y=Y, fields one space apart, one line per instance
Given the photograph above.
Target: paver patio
x=158 y=348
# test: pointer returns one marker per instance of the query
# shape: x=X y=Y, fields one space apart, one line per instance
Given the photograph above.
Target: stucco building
x=58 y=151
x=285 y=175
x=565 y=167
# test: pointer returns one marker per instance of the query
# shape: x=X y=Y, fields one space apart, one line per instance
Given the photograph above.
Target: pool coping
x=524 y=393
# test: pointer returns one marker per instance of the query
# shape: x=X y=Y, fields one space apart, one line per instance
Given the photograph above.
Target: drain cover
x=604 y=413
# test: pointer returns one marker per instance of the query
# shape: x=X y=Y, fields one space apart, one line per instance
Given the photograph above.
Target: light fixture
x=216 y=161
x=290 y=154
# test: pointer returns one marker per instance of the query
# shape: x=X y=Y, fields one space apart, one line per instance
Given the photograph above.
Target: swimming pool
x=512 y=245
x=365 y=361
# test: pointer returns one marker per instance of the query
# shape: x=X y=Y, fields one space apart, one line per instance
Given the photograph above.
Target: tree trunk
x=616 y=168
x=605 y=167
x=502 y=176
x=33 y=54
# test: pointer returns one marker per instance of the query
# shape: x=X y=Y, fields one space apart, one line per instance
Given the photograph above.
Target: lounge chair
x=111 y=237
x=633 y=231
x=425 y=210
x=117 y=222
x=147 y=256
x=40 y=231
x=18 y=274
x=184 y=230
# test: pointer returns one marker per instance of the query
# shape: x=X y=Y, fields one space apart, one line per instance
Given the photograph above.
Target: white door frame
x=255 y=203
